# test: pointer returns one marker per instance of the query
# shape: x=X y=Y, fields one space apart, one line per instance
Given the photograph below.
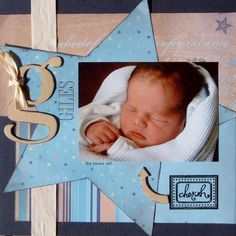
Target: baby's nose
x=140 y=121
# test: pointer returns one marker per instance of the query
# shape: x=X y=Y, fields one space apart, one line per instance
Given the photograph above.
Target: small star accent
x=223 y=25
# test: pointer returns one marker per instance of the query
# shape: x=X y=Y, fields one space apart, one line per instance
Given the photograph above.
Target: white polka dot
x=49 y=164
x=112 y=194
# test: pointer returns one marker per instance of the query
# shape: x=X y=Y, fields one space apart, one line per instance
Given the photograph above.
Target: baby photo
x=162 y=111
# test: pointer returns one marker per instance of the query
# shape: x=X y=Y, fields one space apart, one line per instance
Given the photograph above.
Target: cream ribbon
x=15 y=81
x=44 y=37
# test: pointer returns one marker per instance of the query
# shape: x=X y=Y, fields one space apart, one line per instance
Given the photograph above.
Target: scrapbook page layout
x=138 y=129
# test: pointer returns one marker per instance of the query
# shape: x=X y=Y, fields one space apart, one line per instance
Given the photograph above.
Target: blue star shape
x=223 y=25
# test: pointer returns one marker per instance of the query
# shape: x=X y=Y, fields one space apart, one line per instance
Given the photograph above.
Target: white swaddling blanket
x=195 y=143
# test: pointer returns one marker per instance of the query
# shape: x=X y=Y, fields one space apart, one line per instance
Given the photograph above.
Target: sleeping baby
x=153 y=113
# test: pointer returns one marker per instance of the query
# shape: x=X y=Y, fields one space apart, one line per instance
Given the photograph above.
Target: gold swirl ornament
x=159 y=198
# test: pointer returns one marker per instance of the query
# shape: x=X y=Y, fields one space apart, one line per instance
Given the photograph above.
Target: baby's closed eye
x=131 y=109
x=158 y=119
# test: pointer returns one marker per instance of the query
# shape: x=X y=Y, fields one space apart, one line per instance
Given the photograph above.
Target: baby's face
x=147 y=116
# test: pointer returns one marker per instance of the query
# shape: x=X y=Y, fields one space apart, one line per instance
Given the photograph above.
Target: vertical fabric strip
x=22 y=206
x=98 y=205
x=91 y=201
x=43 y=200
x=17 y=157
x=74 y=201
x=43 y=22
x=67 y=202
x=95 y=203
x=107 y=209
x=83 y=200
x=60 y=203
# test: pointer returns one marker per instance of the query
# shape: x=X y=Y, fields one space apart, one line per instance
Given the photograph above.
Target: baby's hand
x=102 y=132
x=100 y=148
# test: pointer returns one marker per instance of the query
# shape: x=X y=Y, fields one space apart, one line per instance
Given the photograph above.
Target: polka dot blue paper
x=57 y=160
